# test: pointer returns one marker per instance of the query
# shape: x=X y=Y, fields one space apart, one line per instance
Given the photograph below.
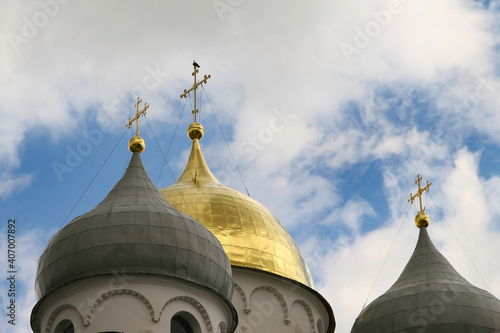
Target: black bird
x=195 y=64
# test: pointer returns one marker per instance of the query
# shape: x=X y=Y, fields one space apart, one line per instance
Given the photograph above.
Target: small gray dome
x=430 y=296
x=134 y=231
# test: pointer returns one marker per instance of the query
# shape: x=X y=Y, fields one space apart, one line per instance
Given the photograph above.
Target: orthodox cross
x=137 y=115
x=419 y=192
x=194 y=87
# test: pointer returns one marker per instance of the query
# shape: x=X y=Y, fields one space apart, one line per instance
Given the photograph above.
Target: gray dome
x=134 y=231
x=430 y=296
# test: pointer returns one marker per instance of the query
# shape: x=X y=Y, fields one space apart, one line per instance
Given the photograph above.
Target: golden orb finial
x=137 y=144
x=195 y=131
x=421 y=220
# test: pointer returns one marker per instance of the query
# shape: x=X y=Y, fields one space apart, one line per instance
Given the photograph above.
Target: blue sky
x=330 y=110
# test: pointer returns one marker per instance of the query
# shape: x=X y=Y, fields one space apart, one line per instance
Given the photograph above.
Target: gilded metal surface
x=431 y=296
x=194 y=88
x=134 y=231
x=137 y=144
x=137 y=115
x=195 y=131
x=421 y=220
x=251 y=236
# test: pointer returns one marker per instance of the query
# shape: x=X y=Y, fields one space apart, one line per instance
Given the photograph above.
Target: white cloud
x=29 y=246
x=290 y=44
x=10 y=183
x=351 y=214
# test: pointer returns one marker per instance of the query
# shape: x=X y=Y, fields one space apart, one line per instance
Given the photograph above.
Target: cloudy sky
x=330 y=110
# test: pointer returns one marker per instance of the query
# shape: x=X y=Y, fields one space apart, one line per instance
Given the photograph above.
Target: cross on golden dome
x=195 y=87
x=137 y=115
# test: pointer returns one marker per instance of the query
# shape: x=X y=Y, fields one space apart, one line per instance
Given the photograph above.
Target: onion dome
x=250 y=234
x=430 y=296
x=134 y=231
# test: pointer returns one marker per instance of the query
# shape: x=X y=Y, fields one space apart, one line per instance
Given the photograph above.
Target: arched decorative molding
x=320 y=326
x=222 y=327
x=279 y=297
x=60 y=309
x=243 y=297
x=309 y=312
x=201 y=309
x=104 y=297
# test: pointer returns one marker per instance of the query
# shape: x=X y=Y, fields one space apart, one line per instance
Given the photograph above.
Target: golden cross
x=137 y=115
x=419 y=192
x=194 y=87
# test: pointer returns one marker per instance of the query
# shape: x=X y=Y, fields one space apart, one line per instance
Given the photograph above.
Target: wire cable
x=227 y=144
x=458 y=240
x=170 y=145
x=88 y=186
x=168 y=167
x=387 y=256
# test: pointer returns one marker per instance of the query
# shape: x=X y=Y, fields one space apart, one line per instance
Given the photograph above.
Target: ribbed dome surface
x=430 y=296
x=134 y=231
x=250 y=234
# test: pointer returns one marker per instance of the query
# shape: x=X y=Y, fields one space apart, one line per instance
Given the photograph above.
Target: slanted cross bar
x=419 y=193
x=137 y=115
x=195 y=87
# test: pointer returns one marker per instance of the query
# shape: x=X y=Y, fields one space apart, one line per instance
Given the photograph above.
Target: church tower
x=430 y=296
x=273 y=288
x=134 y=264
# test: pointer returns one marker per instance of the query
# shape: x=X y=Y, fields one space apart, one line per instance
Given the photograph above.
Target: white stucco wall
x=132 y=304
x=268 y=303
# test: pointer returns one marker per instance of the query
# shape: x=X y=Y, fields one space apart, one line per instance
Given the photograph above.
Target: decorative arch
x=201 y=309
x=115 y=292
x=243 y=296
x=60 y=309
x=320 y=326
x=309 y=312
x=279 y=297
x=222 y=328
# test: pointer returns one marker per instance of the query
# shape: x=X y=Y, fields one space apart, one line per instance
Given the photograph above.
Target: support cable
x=227 y=144
x=458 y=240
x=169 y=146
x=387 y=256
x=88 y=186
x=168 y=167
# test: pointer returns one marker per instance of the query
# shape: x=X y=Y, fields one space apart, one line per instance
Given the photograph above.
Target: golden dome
x=250 y=234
